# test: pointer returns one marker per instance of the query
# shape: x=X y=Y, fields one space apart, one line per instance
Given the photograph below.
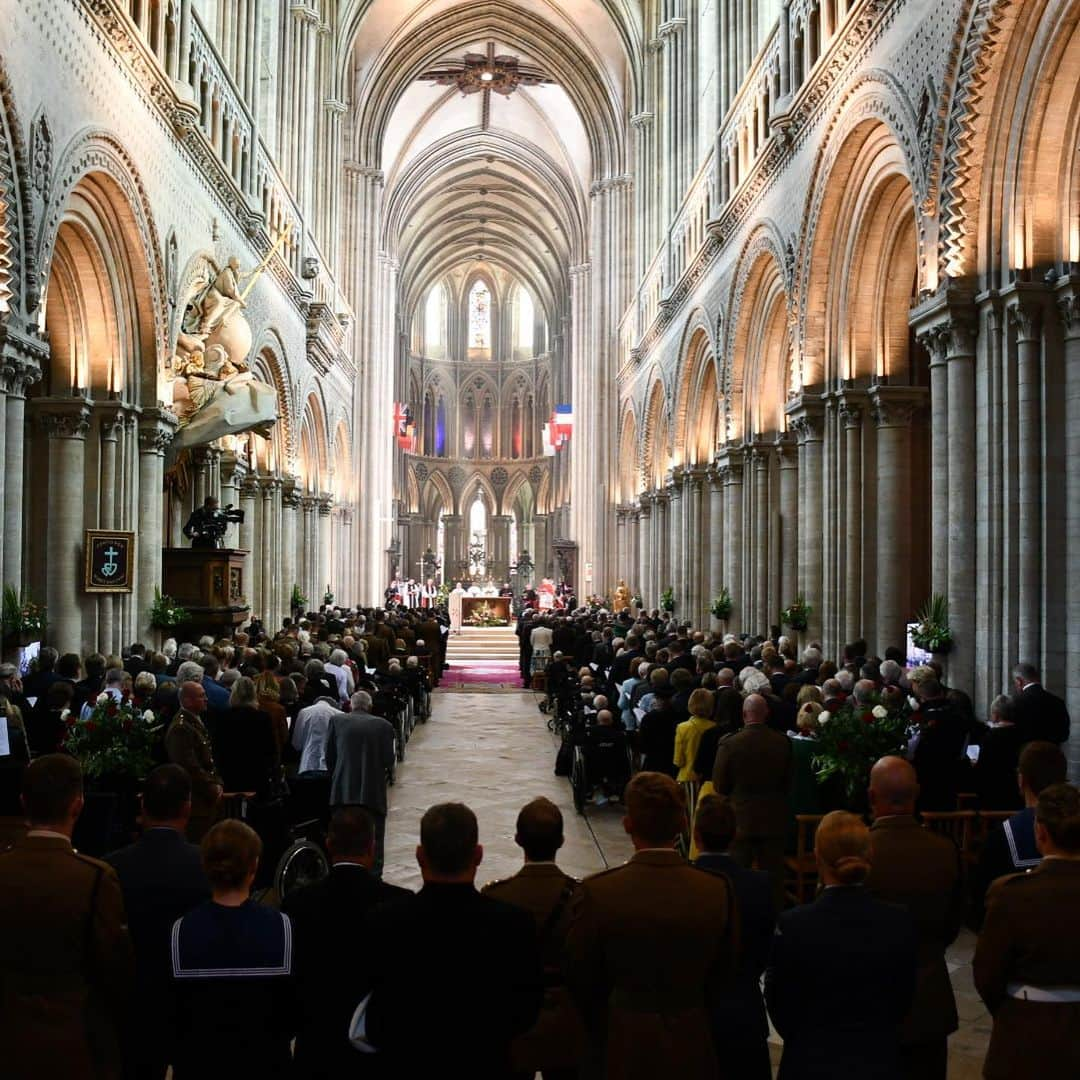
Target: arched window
x=440 y=428
x=434 y=320
x=526 y=315
x=479 y=317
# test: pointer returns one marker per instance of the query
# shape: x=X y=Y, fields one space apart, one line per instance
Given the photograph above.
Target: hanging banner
x=404 y=427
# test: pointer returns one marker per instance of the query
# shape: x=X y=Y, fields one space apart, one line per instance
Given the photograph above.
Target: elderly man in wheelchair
x=602 y=760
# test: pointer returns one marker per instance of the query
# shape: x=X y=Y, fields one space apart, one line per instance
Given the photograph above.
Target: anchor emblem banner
x=110 y=558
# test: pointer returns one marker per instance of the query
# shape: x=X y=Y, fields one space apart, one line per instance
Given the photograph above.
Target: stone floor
x=494 y=752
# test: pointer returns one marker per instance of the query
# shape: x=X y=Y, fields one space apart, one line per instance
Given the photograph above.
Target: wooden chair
x=800 y=869
x=958 y=825
x=987 y=819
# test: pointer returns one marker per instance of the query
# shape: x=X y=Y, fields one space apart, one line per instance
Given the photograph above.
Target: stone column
x=17 y=375
x=716 y=534
x=290 y=512
x=308 y=569
x=663 y=542
x=696 y=537
x=66 y=422
x=935 y=343
x=621 y=545
x=156 y=430
x=807 y=422
x=325 y=503
x=788 y=454
x=249 y=489
x=110 y=424
x=645 y=549
x=453 y=545
x=1025 y=315
x=851 y=421
x=200 y=458
x=732 y=471
x=759 y=541
x=893 y=409
x=268 y=553
x=499 y=546
x=676 y=540
x=1068 y=301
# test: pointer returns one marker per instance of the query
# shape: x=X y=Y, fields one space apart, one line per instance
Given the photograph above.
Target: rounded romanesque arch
x=656 y=442
x=696 y=354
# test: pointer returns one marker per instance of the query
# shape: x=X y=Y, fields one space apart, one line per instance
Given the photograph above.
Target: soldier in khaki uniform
x=1027 y=962
x=66 y=965
x=187 y=742
x=648 y=943
x=556 y=1042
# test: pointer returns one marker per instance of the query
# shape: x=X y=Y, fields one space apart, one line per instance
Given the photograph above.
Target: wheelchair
x=602 y=758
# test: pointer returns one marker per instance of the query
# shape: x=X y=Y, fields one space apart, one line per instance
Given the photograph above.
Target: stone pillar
x=893 y=409
x=200 y=458
x=716 y=535
x=249 y=489
x=621 y=546
x=851 y=421
x=759 y=540
x=453 y=546
x=807 y=422
x=290 y=512
x=308 y=570
x=325 y=503
x=645 y=549
x=734 y=540
x=268 y=551
x=696 y=538
x=1068 y=301
x=663 y=542
x=936 y=344
x=1025 y=315
x=17 y=376
x=676 y=543
x=156 y=430
x=110 y=425
x=499 y=547
x=66 y=422
x=788 y=455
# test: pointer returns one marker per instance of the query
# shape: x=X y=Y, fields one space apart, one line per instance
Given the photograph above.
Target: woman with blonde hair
x=842 y=973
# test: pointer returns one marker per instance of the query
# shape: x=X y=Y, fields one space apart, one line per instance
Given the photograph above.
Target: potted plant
x=297 y=600
x=933 y=632
x=23 y=620
x=797 y=616
x=165 y=612
x=667 y=599
x=328 y=597
x=722 y=605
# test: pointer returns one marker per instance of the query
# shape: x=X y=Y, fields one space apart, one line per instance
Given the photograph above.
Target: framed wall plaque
x=110 y=561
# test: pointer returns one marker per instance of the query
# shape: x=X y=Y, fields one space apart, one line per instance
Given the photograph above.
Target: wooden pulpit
x=209 y=584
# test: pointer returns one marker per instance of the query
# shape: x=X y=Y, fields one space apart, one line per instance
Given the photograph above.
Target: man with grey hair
x=811 y=661
x=1038 y=714
x=846 y=680
x=865 y=691
x=336 y=667
x=189 y=671
x=359 y=758
x=319 y=684
x=890 y=673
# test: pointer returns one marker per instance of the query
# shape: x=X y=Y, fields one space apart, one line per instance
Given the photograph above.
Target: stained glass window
x=479 y=317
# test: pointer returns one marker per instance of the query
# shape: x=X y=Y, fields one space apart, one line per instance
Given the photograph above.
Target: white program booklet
x=5 y=743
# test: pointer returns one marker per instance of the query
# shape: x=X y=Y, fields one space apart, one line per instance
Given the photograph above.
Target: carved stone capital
x=896 y=406
x=249 y=488
x=1026 y=319
x=1068 y=306
x=806 y=420
x=23 y=357
x=325 y=503
x=65 y=418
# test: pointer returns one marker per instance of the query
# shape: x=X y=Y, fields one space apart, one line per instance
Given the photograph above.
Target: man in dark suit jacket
x=162 y=879
x=754 y=767
x=740 y=1029
x=359 y=753
x=1036 y=712
x=920 y=871
x=467 y=964
x=331 y=942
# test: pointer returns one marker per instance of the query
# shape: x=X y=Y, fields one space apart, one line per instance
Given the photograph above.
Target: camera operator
x=208 y=523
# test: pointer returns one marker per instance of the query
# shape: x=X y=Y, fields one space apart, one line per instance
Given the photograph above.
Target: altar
x=498 y=606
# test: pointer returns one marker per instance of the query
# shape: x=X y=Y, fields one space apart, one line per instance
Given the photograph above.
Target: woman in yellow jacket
x=687 y=740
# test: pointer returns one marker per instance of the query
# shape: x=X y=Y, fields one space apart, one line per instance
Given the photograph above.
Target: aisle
x=494 y=753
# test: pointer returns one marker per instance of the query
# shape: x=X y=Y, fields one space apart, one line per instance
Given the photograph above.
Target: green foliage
x=851 y=739
x=165 y=612
x=115 y=742
x=297 y=600
x=797 y=616
x=667 y=599
x=20 y=615
x=722 y=604
x=933 y=632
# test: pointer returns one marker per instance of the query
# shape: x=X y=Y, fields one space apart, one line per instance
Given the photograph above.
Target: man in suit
x=939 y=751
x=65 y=954
x=553 y=1046
x=331 y=942
x=187 y=742
x=1038 y=713
x=920 y=871
x=161 y=879
x=740 y=1029
x=1027 y=961
x=650 y=943
x=467 y=964
x=754 y=767
x=359 y=755
x=1010 y=846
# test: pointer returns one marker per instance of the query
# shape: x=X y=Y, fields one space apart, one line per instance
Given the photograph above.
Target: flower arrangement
x=596 y=602
x=933 y=632
x=797 y=616
x=297 y=600
x=722 y=605
x=667 y=599
x=116 y=741
x=22 y=616
x=484 y=616
x=328 y=598
x=442 y=594
x=165 y=612
x=853 y=737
